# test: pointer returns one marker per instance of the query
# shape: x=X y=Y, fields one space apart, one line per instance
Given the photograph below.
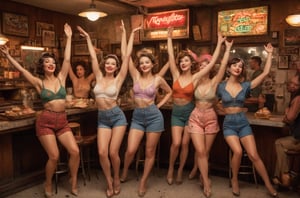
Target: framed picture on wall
x=283 y=62
x=42 y=26
x=292 y=36
x=81 y=49
x=104 y=45
x=15 y=24
x=48 y=38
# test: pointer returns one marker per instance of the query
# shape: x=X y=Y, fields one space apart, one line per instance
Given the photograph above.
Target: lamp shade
x=3 y=39
x=92 y=13
x=293 y=20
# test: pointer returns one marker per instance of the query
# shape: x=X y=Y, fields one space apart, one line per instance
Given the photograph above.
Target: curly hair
x=102 y=64
x=144 y=53
x=183 y=54
x=40 y=64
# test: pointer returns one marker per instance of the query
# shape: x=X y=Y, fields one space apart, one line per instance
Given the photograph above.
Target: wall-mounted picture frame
x=283 y=62
x=81 y=49
x=48 y=38
x=292 y=36
x=39 y=26
x=244 y=22
x=15 y=24
x=104 y=45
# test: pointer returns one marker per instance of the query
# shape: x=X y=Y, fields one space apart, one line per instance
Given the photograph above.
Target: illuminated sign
x=156 y=24
x=243 y=22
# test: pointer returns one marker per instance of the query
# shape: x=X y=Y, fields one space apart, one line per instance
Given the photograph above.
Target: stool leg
x=82 y=164
x=55 y=181
x=229 y=166
x=254 y=175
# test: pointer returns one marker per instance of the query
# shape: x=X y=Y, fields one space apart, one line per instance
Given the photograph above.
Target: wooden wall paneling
x=6 y=159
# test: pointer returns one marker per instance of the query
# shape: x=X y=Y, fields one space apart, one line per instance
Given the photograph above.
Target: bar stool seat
x=246 y=167
x=140 y=156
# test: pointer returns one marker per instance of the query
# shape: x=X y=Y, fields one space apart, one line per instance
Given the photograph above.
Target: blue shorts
x=111 y=118
x=180 y=114
x=148 y=119
x=236 y=124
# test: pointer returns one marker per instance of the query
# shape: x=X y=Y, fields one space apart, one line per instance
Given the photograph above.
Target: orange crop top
x=186 y=92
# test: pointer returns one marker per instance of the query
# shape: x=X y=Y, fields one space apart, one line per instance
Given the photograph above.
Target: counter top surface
x=274 y=121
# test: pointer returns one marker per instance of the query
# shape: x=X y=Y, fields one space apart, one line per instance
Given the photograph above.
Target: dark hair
x=256 y=59
x=102 y=64
x=40 y=64
x=83 y=64
x=152 y=59
x=184 y=53
x=237 y=60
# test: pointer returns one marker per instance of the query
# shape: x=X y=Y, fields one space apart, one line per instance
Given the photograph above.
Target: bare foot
x=170 y=177
x=123 y=178
x=117 y=187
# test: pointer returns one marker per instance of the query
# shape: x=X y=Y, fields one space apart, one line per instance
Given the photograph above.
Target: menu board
x=243 y=22
x=156 y=24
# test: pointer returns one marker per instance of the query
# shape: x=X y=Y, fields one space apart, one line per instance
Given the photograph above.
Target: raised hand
x=228 y=44
x=221 y=38
x=82 y=33
x=68 y=30
x=170 y=31
x=137 y=28
x=4 y=49
x=269 y=48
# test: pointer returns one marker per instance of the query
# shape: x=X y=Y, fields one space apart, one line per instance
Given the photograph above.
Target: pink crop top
x=111 y=92
x=147 y=93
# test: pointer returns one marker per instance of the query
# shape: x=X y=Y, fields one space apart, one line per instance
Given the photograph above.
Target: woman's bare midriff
x=233 y=110
x=180 y=101
x=58 y=105
x=105 y=103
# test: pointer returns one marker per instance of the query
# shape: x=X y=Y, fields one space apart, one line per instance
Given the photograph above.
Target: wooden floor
x=157 y=188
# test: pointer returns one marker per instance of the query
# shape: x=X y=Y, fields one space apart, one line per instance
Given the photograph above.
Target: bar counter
x=23 y=159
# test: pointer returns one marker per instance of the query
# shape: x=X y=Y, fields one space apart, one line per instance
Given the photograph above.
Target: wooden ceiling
x=112 y=7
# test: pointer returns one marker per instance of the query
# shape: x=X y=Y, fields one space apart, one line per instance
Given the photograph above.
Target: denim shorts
x=148 y=119
x=180 y=114
x=111 y=118
x=236 y=124
x=50 y=122
x=203 y=121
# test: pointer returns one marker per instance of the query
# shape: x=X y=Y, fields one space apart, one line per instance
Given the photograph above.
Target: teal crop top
x=228 y=100
x=48 y=95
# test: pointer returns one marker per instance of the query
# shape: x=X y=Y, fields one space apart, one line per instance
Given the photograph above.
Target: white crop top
x=110 y=92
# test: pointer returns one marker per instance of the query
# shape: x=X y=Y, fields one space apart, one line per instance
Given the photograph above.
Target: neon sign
x=156 y=24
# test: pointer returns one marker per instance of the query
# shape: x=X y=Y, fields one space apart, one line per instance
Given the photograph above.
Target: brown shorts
x=203 y=121
x=49 y=122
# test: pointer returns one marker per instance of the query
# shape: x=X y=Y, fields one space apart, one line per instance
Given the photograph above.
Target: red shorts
x=203 y=121
x=49 y=122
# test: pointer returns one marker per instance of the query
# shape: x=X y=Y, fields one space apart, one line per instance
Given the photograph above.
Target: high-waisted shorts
x=148 y=119
x=236 y=124
x=50 y=122
x=111 y=118
x=203 y=121
x=180 y=114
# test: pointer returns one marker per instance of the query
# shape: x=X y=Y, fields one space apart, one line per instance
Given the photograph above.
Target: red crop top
x=186 y=92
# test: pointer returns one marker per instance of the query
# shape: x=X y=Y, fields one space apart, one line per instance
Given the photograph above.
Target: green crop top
x=48 y=95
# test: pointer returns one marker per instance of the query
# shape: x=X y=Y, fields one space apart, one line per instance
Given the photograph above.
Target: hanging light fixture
x=92 y=13
x=3 y=39
x=293 y=20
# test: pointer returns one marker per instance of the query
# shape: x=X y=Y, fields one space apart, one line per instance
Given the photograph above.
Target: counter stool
x=140 y=156
x=61 y=167
x=246 y=167
x=294 y=173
